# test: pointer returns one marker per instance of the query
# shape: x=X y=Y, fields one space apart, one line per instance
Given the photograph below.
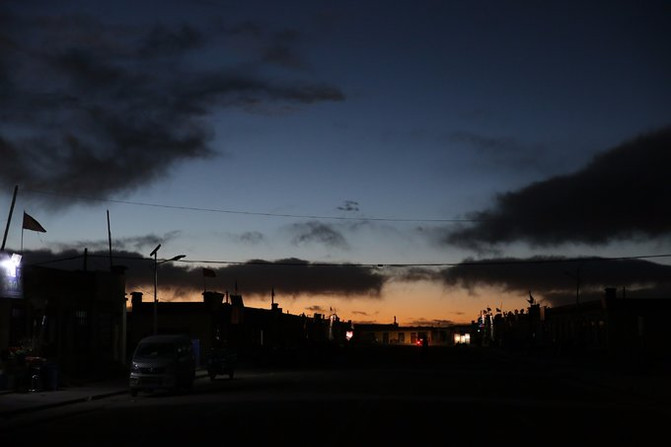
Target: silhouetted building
x=75 y=320
x=393 y=334
x=258 y=334
x=612 y=327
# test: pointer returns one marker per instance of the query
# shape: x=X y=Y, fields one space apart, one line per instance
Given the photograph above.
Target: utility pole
x=9 y=219
x=577 y=284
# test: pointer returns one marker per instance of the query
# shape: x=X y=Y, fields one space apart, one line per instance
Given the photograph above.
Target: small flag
x=29 y=223
x=209 y=273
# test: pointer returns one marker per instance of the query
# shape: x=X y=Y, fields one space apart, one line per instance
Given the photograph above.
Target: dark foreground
x=379 y=397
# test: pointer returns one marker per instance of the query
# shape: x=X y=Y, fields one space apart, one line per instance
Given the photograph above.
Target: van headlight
x=134 y=367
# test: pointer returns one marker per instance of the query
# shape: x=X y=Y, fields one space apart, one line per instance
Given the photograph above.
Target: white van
x=164 y=362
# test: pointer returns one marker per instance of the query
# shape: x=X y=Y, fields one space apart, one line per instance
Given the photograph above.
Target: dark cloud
x=412 y=274
x=106 y=109
x=166 y=41
x=287 y=277
x=553 y=280
x=318 y=232
x=142 y=244
x=251 y=237
x=620 y=195
x=137 y=264
x=558 y=279
x=298 y=277
x=349 y=205
x=282 y=52
x=507 y=154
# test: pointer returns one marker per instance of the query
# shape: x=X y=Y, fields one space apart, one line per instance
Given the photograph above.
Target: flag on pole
x=29 y=223
x=209 y=273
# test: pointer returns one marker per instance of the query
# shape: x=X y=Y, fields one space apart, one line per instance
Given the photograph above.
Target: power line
x=249 y=213
x=312 y=264
x=439 y=264
x=376 y=265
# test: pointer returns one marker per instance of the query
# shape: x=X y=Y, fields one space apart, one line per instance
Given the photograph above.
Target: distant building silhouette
x=80 y=321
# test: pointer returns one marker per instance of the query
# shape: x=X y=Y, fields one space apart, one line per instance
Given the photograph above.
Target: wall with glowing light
x=11 y=285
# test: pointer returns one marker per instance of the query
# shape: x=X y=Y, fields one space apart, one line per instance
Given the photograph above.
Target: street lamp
x=154 y=253
x=577 y=285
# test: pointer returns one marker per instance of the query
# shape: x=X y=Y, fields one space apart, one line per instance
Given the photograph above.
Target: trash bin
x=49 y=376
x=35 y=378
x=32 y=376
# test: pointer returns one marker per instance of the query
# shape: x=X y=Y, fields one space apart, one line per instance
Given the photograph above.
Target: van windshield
x=156 y=350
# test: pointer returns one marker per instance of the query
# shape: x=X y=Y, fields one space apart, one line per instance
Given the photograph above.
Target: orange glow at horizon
x=408 y=304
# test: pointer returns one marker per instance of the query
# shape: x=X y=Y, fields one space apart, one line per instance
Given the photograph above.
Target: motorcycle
x=221 y=361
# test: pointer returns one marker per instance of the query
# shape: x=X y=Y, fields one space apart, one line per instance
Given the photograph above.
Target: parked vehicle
x=221 y=361
x=163 y=362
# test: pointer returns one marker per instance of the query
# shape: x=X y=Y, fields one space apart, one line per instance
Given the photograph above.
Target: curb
x=83 y=396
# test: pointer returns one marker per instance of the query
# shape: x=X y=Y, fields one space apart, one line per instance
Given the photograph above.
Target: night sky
x=416 y=160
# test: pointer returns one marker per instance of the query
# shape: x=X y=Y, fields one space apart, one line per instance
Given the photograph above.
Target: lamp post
x=154 y=253
x=577 y=285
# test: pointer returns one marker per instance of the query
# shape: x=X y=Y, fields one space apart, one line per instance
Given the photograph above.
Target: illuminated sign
x=11 y=284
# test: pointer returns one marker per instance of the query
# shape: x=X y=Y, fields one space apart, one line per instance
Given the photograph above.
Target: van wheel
x=213 y=376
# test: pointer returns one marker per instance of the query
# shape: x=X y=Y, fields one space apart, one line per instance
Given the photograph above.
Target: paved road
x=459 y=400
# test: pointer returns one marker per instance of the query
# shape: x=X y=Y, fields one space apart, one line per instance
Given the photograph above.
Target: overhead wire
x=535 y=260
x=250 y=213
x=373 y=265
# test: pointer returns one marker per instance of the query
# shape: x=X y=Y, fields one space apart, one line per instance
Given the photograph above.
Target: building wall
x=251 y=331
x=385 y=334
x=615 y=328
x=72 y=319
